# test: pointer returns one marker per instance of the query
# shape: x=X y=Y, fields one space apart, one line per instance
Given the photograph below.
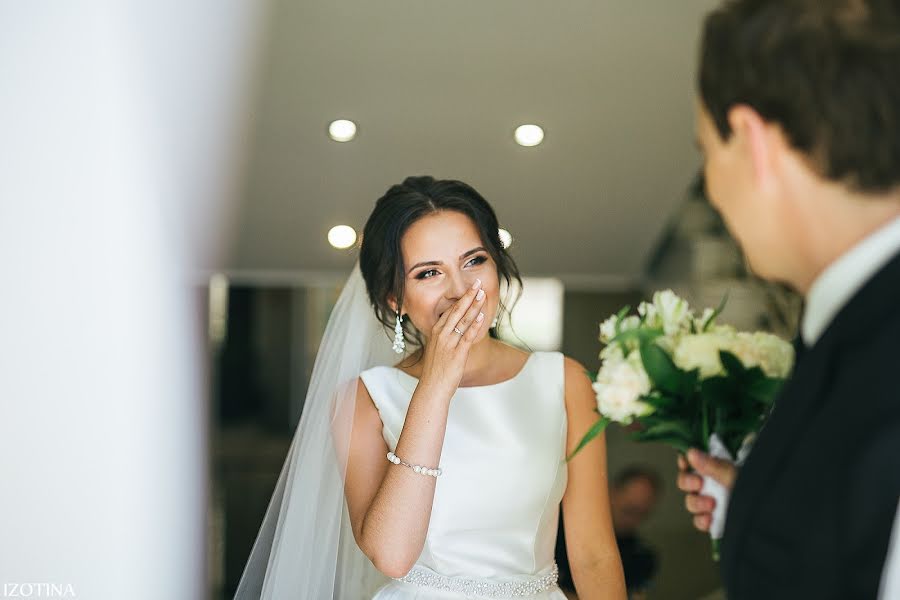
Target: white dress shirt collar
x=844 y=277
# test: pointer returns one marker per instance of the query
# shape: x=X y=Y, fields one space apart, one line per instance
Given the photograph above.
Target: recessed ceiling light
x=505 y=238
x=342 y=236
x=342 y=130
x=529 y=135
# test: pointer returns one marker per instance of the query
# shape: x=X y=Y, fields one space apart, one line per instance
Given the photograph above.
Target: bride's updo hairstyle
x=381 y=258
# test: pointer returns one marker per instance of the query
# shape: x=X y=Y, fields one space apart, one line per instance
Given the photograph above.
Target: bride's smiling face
x=443 y=255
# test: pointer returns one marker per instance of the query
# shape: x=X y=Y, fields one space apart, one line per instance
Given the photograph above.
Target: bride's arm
x=390 y=505
x=590 y=540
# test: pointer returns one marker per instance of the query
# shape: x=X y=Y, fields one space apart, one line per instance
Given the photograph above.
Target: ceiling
x=438 y=88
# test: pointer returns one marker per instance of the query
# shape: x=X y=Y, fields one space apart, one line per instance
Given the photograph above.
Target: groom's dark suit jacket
x=812 y=509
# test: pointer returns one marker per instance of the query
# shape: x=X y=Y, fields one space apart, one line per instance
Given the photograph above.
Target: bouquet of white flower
x=687 y=381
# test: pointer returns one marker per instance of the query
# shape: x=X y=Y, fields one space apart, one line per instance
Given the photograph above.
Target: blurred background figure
x=634 y=494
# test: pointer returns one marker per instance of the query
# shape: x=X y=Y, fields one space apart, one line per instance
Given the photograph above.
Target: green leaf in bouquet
x=741 y=425
x=672 y=433
x=670 y=428
x=650 y=420
x=595 y=430
x=676 y=442
x=733 y=365
x=673 y=439
x=662 y=371
x=623 y=312
x=734 y=441
x=735 y=428
x=715 y=314
x=718 y=391
x=660 y=402
x=689 y=381
x=764 y=389
x=753 y=372
x=642 y=335
x=719 y=399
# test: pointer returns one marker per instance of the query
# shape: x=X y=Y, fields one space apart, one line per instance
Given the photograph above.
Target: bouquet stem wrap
x=716 y=490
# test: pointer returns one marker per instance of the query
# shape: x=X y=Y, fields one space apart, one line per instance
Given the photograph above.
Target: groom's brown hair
x=827 y=71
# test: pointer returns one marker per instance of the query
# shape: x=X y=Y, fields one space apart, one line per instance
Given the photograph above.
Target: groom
x=799 y=122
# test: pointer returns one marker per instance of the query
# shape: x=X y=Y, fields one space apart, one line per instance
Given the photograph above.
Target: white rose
x=723 y=330
x=779 y=361
x=768 y=352
x=701 y=351
x=619 y=387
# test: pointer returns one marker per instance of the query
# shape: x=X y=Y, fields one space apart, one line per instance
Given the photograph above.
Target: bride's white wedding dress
x=493 y=524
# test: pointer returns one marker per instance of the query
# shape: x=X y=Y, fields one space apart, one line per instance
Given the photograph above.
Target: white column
x=118 y=159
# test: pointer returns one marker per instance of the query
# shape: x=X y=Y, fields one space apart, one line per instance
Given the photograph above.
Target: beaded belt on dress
x=489 y=588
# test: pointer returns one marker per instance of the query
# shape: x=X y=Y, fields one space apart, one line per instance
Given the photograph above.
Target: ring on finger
x=456 y=329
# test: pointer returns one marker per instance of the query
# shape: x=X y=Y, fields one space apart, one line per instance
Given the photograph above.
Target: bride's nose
x=457 y=286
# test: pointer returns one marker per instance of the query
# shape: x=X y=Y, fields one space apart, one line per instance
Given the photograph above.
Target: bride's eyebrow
x=473 y=251
x=430 y=263
x=436 y=263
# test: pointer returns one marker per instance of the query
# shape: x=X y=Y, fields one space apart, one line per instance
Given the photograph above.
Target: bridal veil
x=305 y=548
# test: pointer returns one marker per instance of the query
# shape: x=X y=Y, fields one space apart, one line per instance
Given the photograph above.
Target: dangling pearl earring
x=495 y=322
x=399 y=342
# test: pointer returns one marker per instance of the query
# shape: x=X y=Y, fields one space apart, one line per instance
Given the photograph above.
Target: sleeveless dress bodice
x=496 y=505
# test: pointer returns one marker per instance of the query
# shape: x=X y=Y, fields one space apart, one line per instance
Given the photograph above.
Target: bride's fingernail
x=480 y=317
x=477 y=284
x=479 y=295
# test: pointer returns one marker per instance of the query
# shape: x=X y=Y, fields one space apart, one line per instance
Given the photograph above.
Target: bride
x=441 y=476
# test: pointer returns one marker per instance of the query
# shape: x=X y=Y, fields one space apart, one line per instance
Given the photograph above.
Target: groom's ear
x=762 y=143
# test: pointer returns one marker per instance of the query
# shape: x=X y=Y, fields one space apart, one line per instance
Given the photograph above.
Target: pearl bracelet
x=417 y=468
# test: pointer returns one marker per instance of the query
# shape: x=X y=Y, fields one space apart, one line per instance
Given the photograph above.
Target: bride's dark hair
x=381 y=258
